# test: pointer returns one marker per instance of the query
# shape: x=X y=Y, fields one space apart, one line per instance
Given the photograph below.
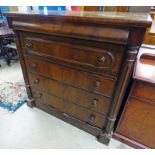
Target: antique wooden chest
x=77 y=64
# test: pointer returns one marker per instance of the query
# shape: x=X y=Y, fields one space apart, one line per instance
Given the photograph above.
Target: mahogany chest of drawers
x=77 y=64
x=136 y=125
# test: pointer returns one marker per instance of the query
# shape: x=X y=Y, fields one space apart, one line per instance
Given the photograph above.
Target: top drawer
x=105 y=60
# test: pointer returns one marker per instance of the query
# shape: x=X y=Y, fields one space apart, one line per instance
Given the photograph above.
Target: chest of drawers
x=77 y=64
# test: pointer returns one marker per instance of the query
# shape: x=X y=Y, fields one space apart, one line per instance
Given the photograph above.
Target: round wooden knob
x=33 y=65
x=39 y=95
x=97 y=84
x=36 y=81
x=91 y=118
x=28 y=45
x=94 y=102
x=101 y=60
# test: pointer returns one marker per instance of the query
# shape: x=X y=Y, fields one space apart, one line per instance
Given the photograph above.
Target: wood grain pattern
x=64 y=106
x=100 y=60
x=61 y=49
x=144 y=90
x=72 y=120
x=22 y=62
x=89 y=32
x=71 y=76
x=138 y=122
x=136 y=125
x=126 y=19
x=91 y=101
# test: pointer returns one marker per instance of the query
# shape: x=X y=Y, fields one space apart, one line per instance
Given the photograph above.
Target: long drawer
x=85 y=80
x=91 y=101
x=106 y=60
x=69 y=108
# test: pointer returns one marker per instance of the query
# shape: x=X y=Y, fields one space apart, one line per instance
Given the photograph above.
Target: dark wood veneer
x=99 y=60
x=71 y=76
x=79 y=56
x=70 y=119
x=64 y=106
x=78 y=96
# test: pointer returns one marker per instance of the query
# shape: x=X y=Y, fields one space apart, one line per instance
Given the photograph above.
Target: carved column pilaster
x=132 y=54
x=30 y=102
x=125 y=75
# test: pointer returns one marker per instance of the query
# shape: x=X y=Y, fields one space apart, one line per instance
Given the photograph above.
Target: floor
x=35 y=129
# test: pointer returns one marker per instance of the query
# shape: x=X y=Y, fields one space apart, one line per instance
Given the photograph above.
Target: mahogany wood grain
x=71 y=76
x=64 y=106
x=125 y=19
x=105 y=60
x=86 y=99
x=129 y=141
x=88 y=32
x=59 y=51
x=69 y=119
x=23 y=66
x=144 y=90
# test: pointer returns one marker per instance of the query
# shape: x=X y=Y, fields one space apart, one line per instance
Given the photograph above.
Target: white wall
x=35 y=7
x=23 y=8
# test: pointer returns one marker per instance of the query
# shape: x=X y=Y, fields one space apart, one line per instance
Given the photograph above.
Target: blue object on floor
x=10 y=107
x=12 y=95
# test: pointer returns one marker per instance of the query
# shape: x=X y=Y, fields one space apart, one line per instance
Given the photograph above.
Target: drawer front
x=144 y=90
x=105 y=60
x=85 y=80
x=91 y=101
x=137 y=122
x=69 y=108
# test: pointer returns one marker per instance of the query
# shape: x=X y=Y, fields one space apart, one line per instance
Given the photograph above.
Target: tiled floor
x=33 y=128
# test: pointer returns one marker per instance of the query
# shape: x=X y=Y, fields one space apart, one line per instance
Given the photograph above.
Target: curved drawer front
x=91 y=101
x=85 y=80
x=104 y=60
x=69 y=108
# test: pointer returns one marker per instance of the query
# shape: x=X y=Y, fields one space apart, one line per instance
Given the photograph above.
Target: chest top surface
x=116 y=18
x=114 y=27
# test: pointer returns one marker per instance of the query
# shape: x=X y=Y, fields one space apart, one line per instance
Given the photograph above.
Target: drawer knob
x=36 y=81
x=28 y=45
x=39 y=95
x=91 y=119
x=94 y=102
x=33 y=65
x=101 y=60
x=97 y=84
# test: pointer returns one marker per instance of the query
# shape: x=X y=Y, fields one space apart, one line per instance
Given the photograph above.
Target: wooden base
x=129 y=142
x=30 y=104
x=69 y=119
x=100 y=135
x=104 y=138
